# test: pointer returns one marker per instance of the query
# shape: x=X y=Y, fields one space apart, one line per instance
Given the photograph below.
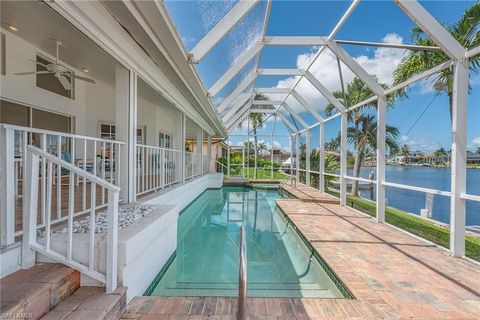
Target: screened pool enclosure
x=288 y=78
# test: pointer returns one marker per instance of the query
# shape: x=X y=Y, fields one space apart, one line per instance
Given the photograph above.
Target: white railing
x=50 y=238
x=97 y=156
x=193 y=167
x=157 y=168
x=206 y=164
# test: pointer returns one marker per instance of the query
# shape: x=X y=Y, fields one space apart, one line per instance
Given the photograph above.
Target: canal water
x=434 y=178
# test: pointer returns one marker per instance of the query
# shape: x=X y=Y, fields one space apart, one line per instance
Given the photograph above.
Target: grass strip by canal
x=416 y=225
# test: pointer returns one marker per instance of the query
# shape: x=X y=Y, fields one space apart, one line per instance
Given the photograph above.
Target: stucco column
x=125 y=126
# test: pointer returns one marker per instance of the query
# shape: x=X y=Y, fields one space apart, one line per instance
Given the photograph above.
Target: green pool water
x=206 y=261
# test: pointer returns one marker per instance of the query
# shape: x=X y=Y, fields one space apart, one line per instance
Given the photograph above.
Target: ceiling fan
x=60 y=72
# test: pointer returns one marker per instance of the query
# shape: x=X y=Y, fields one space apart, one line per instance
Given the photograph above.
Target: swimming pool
x=279 y=263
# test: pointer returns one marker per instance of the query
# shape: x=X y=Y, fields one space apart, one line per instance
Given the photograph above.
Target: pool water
x=279 y=264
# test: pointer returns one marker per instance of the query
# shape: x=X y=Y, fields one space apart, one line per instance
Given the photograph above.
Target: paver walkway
x=308 y=194
x=391 y=274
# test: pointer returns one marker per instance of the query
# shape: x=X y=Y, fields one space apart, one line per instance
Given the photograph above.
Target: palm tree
x=356 y=92
x=466 y=31
x=262 y=146
x=256 y=121
x=440 y=152
x=333 y=144
x=405 y=151
x=364 y=138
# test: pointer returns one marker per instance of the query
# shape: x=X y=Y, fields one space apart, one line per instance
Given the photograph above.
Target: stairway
x=52 y=291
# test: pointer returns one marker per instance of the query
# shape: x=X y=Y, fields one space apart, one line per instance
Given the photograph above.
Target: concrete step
x=90 y=303
x=33 y=292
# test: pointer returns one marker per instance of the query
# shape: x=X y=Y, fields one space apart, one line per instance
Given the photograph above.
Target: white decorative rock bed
x=126 y=217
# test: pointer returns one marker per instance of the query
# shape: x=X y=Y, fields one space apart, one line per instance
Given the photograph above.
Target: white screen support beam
x=266 y=102
x=343 y=158
x=324 y=91
x=236 y=113
x=271 y=90
x=424 y=20
x=227 y=76
x=307 y=106
x=381 y=160
x=355 y=68
x=295 y=115
x=239 y=119
x=321 y=167
x=236 y=107
x=311 y=41
x=459 y=160
x=472 y=52
x=221 y=29
x=262 y=110
x=281 y=72
x=244 y=85
x=287 y=122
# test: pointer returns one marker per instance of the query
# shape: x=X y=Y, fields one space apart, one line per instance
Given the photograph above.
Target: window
x=49 y=82
x=15 y=114
x=107 y=131
x=140 y=136
x=20 y=115
x=165 y=140
x=25 y=116
x=42 y=119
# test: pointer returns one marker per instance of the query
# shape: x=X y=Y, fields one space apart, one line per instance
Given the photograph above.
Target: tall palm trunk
x=356 y=168
x=255 y=151
x=358 y=161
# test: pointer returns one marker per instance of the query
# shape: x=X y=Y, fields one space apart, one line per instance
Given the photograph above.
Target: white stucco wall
x=93 y=103
x=156 y=117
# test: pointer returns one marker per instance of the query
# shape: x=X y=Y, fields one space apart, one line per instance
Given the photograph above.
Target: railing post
x=297 y=157
x=271 y=155
x=292 y=151
x=112 y=241
x=209 y=152
x=30 y=209
x=162 y=168
x=228 y=160
x=183 y=155
x=307 y=157
x=7 y=190
x=459 y=159
x=321 y=166
x=343 y=158
x=381 y=136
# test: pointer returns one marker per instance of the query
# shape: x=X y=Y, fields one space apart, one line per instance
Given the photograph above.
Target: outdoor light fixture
x=85 y=70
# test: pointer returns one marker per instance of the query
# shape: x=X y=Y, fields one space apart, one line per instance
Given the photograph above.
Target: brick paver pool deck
x=391 y=274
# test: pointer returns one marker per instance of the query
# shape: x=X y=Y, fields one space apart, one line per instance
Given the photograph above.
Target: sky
x=423 y=118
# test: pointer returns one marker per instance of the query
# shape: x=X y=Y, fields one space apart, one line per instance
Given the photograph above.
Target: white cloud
x=476 y=141
x=382 y=64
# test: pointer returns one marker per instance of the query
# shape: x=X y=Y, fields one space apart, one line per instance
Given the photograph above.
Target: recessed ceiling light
x=85 y=70
x=13 y=28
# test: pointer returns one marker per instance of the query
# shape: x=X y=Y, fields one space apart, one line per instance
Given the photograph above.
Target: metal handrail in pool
x=242 y=276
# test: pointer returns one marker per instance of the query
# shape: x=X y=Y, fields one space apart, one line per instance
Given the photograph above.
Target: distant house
x=279 y=155
x=219 y=148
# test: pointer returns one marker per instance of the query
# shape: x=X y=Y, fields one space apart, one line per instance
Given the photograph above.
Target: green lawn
x=261 y=173
x=416 y=225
